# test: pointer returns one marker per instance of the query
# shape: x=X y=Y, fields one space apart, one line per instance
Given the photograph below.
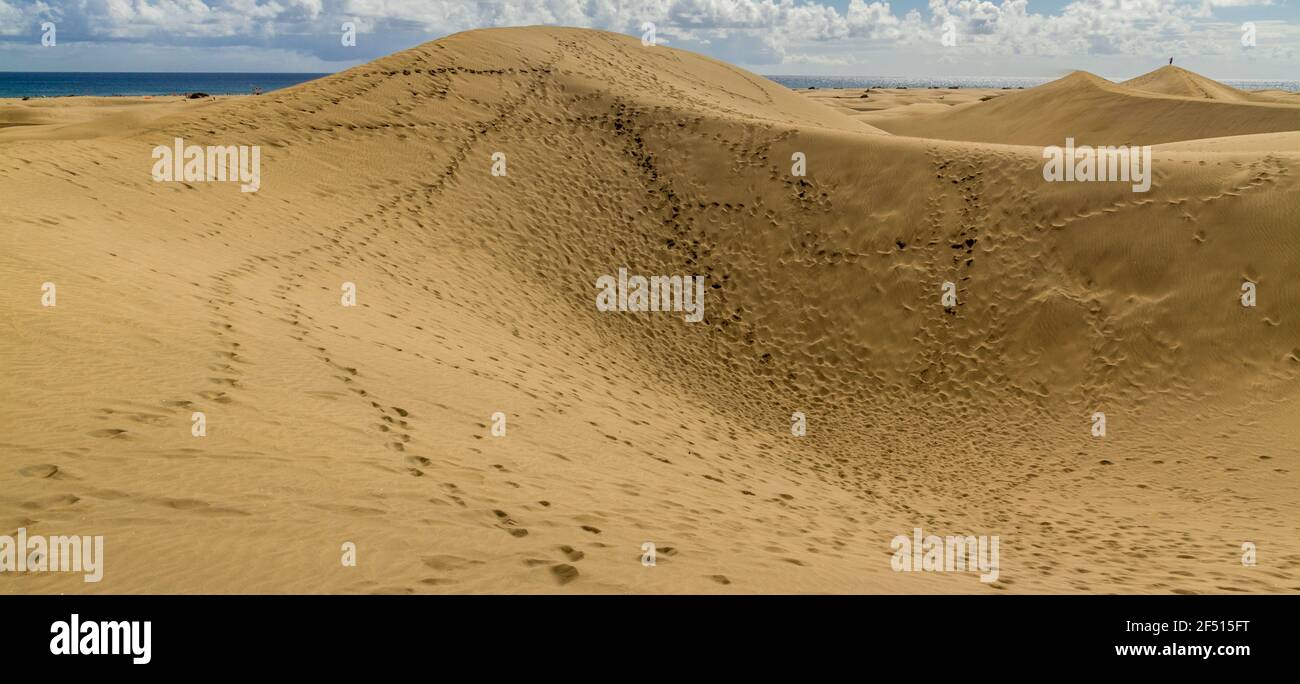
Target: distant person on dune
x=1171 y=61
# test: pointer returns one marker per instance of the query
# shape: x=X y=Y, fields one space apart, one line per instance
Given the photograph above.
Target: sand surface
x=372 y=424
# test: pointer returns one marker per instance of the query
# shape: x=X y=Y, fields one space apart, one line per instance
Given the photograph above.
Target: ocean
x=803 y=82
x=56 y=84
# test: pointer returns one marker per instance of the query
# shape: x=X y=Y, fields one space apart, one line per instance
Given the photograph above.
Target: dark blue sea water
x=802 y=82
x=53 y=84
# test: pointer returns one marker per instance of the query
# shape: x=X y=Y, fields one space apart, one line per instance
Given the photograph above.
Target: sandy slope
x=371 y=424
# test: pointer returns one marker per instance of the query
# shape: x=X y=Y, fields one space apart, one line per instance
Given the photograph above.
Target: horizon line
x=765 y=75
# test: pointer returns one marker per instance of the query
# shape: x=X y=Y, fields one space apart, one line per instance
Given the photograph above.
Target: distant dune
x=475 y=295
x=1179 y=82
x=1166 y=105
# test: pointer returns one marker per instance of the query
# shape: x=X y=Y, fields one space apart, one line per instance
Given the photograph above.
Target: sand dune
x=372 y=424
x=1148 y=110
x=1172 y=80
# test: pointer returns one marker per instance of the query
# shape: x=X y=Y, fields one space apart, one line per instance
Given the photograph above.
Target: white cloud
x=744 y=31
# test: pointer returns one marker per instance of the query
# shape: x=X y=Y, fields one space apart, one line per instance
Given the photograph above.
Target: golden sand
x=372 y=424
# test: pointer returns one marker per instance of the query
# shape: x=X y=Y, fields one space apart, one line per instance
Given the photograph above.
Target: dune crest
x=1172 y=80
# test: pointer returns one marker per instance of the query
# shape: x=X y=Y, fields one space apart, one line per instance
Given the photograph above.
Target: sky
x=937 y=38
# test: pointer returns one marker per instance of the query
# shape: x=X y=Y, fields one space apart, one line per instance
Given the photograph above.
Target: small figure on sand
x=1171 y=61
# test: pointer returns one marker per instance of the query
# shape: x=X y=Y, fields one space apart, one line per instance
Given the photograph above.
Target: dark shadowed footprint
x=41 y=470
x=509 y=525
x=564 y=573
x=720 y=579
x=109 y=433
x=200 y=507
x=449 y=563
x=571 y=553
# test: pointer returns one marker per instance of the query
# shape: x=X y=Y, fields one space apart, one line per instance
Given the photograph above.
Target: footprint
x=564 y=573
x=448 y=563
x=109 y=433
x=572 y=554
x=509 y=525
x=41 y=470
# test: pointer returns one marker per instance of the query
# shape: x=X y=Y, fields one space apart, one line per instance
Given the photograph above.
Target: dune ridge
x=475 y=292
x=1167 y=105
